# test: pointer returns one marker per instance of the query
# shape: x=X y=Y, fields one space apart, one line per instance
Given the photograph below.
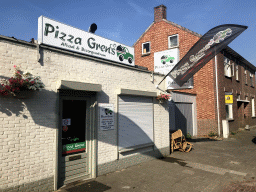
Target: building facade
x=94 y=116
x=199 y=109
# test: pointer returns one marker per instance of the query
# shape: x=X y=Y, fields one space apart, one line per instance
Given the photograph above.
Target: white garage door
x=135 y=121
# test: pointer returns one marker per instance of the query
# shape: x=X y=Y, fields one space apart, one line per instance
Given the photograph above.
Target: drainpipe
x=217 y=94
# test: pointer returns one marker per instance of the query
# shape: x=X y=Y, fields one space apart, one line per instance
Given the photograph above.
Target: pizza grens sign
x=66 y=37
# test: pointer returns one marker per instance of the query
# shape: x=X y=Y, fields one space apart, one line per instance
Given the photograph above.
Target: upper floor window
x=227 y=67
x=237 y=72
x=233 y=69
x=245 y=77
x=251 y=79
x=173 y=41
x=146 y=48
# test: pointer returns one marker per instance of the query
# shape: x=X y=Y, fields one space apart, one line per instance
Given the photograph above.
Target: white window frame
x=253 y=107
x=230 y=108
x=251 y=79
x=149 y=47
x=227 y=67
x=245 y=77
x=169 y=44
x=237 y=72
x=233 y=69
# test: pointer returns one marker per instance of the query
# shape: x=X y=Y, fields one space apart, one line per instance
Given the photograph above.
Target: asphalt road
x=221 y=166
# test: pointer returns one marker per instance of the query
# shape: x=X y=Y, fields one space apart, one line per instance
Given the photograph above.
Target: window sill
x=244 y=101
x=237 y=80
x=253 y=116
x=173 y=47
x=145 y=54
x=231 y=119
x=230 y=77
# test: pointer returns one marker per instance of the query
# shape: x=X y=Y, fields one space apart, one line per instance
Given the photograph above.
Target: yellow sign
x=229 y=99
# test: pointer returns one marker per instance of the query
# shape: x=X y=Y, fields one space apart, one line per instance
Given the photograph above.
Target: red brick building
x=203 y=106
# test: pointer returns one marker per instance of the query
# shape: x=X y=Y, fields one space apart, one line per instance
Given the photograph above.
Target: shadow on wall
x=40 y=105
x=42 y=108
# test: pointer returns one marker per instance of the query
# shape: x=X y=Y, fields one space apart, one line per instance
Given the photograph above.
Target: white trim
x=253 y=107
x=142 y=47
x=233 y=69
x=217 y=93
x=177 y=41
x=237 y=71
x=230 y=109
x=245 y=77
x=227 y=67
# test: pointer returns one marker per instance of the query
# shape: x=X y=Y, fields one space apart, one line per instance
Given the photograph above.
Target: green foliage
x=233 y=133
x=188 y=136
x=212 y=134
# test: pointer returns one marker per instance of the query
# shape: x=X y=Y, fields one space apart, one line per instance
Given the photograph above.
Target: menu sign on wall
x=63 y=36
x=164 y=61
x=106 y=116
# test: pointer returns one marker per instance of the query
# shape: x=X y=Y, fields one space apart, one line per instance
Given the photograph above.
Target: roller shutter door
x=183 y=117
x=135 y=121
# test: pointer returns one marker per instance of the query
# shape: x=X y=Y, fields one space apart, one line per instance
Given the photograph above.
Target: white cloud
x=139 y=10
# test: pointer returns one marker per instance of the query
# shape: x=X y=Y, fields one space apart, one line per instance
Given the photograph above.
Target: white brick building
x=31 y=151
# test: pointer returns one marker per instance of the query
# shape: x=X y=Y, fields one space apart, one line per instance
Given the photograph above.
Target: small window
x=233 y=69
x=173 y=41
x=146 y=48
x=227 y=67
x=237 y=72
x=251 y=80
x=245 y=77
x=253 y=108
x=229 y=111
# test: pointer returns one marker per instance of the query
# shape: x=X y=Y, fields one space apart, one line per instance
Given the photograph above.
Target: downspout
x=217 y=94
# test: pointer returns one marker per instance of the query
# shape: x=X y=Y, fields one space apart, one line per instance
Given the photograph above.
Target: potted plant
x=21 y=85
x=163 y=97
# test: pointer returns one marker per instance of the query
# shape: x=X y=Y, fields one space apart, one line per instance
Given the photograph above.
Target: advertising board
x=63 y=36
x=106 y=116
x=164 y=61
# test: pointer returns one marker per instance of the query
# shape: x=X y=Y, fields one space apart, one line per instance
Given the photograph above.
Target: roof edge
x=183 y=28
x=13 y=39
x=143 y=33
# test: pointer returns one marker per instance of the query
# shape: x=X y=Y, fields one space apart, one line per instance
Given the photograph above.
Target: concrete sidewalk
x=227 y=165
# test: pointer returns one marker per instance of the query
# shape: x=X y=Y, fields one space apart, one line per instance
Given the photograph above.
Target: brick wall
x=28 y=127
x=204 y=79
x=242 y=112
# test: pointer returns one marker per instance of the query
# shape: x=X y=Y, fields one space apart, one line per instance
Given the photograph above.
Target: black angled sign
x=203 y=51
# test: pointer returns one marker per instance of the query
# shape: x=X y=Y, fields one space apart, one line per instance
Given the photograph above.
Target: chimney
x=159 y=13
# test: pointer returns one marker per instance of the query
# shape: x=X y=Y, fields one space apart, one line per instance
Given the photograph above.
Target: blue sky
x=125 y=21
